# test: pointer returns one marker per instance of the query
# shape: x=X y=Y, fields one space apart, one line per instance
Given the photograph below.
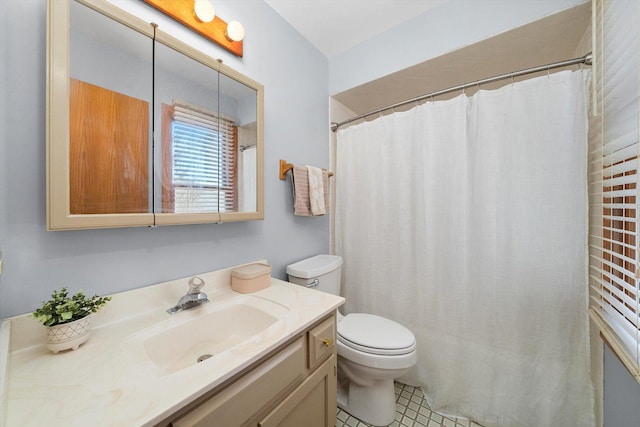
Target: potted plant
x=66 y=318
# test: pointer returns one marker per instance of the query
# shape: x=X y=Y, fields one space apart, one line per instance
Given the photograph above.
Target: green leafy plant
x=62 y=308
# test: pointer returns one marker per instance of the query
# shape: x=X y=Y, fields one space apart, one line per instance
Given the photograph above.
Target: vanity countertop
x=102 y=384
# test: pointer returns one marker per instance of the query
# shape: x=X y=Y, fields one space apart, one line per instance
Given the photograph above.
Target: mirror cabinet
x=142 y=129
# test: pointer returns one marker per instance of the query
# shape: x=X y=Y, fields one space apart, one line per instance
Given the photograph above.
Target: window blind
x=203 y=161
x=614 y=265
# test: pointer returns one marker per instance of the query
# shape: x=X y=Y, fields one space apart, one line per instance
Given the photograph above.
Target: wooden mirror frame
x=59 y=216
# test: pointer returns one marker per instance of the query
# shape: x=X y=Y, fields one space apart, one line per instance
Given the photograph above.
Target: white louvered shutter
x=613 y=179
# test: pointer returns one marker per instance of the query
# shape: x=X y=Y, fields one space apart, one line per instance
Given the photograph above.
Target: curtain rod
x=587 y=59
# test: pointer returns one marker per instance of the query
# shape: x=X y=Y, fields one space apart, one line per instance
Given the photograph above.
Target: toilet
x=372 y=350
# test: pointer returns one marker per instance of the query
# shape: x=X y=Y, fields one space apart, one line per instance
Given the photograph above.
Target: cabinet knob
x=327 y=342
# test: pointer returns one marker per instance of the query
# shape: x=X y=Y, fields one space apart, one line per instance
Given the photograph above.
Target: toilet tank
x=321 y=272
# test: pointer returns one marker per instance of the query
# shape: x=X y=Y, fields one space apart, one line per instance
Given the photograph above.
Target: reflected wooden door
x=108 y=151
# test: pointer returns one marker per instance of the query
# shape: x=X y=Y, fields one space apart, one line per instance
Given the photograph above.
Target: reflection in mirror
x=240 y=102
x=192 y=134
x=208 y=138
x=110 y=92
x=120 y=154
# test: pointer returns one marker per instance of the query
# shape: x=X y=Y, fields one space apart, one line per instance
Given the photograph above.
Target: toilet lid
x=375 y=334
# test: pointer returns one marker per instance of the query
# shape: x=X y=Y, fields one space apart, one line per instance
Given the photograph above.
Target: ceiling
x=334 y=26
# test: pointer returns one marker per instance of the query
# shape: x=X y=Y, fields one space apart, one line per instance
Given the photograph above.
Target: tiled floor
x=411 y=411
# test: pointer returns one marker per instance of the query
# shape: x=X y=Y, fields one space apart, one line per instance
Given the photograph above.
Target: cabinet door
x=312 y=404
x=234 y=405
x=322 y=342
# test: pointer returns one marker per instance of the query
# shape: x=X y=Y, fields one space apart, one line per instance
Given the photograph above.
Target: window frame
x=227 y=179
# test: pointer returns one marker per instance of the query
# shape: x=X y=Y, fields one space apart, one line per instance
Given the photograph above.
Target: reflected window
x=200 y=160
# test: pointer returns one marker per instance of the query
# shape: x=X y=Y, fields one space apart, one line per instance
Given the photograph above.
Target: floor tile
x=412 y=410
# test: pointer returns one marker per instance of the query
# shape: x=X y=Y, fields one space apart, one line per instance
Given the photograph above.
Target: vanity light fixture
x=199 y=15
x=234 y=32
x=204 y=10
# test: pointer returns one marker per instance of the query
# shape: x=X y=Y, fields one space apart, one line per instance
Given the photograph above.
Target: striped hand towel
x=300 y=181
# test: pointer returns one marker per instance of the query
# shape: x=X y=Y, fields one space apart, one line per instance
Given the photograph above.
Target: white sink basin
x=205 y=332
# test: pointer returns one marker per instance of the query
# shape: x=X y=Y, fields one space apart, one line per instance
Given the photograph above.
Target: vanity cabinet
x=291 y=387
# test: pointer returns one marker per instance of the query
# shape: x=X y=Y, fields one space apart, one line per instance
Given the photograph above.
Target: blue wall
x=621 y=394
x=295 y=76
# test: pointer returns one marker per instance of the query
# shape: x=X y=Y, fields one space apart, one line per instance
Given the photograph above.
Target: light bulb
x=235 y=31
x=204 y=10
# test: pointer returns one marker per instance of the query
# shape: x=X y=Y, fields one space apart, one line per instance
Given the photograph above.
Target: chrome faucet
x=193 y=298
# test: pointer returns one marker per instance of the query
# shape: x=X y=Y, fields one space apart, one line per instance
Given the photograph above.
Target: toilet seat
x=373 y=334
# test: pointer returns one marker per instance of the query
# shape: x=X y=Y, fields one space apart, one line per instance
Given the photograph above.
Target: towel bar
x=286 y=167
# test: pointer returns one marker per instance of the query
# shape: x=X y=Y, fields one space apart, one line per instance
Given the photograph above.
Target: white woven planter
x=68 y=335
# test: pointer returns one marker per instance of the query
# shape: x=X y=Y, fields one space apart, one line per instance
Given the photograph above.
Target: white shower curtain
x=466 y=221
x=247 y=180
